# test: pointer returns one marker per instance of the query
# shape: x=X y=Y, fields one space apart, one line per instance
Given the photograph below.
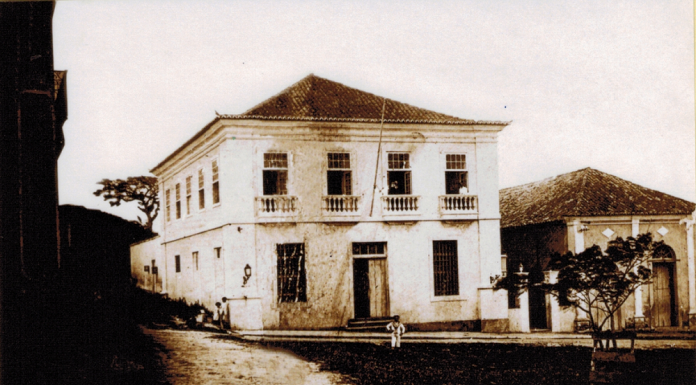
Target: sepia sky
x=601 y=84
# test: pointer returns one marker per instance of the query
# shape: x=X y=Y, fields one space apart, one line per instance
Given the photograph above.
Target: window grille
x=275 y=160
x=445 y=268
x=368 y=248
x=201 y=190
x=216 y=183
x=188 y=195
x=398 y=161
x=292 y=277
x=456 y=162
x=177 y=190
x=339 y=160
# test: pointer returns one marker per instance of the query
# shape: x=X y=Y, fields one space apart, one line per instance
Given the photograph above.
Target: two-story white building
x=324 y=204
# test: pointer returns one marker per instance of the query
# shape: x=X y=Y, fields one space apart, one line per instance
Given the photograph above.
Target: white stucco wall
x=248 y=237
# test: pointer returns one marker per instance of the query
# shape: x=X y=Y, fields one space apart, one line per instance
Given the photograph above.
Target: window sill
x=447 y=298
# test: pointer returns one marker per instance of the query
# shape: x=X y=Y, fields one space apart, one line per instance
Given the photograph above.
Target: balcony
x=340 y=204
x=274 y=206
x=458 y=204
x=400 y=205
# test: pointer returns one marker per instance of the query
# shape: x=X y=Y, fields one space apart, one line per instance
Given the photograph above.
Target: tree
x=599 y=283
x=141 y=189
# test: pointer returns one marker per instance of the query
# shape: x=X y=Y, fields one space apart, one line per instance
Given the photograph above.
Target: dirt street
x=193 y=357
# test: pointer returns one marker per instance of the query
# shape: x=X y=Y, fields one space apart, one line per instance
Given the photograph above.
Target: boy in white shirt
x=397 y=329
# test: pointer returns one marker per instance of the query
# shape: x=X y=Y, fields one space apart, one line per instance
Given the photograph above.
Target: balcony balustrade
x=340 y=204
x=272 y=205
x=458 y=204
x=400 y=204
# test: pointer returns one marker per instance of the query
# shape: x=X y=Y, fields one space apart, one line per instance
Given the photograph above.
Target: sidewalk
x=647 y=340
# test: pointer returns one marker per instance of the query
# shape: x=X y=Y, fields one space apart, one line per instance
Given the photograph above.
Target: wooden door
x=663 y=306
x=361 y=288
x=379 y=288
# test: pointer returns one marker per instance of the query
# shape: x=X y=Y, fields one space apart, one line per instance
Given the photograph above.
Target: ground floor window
x=177 y=263
x=292 y=276
x=445 y=268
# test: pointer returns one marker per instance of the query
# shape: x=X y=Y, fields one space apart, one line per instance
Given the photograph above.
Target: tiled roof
x=318 y=99
x=585 y=192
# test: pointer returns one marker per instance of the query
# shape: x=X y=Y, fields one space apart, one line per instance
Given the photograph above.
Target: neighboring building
x=33 y=108
x=277 y=210
x=573 y=211
x=95 y=247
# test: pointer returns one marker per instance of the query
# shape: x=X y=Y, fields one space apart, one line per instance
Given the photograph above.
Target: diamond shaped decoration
x=663 y=231
x=608 y=232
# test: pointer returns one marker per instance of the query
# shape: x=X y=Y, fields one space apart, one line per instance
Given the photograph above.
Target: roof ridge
x=581 y=193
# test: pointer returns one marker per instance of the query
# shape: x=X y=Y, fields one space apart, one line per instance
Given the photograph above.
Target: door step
x=369 y=324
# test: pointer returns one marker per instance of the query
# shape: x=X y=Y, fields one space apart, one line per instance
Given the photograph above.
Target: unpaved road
x=194 y=357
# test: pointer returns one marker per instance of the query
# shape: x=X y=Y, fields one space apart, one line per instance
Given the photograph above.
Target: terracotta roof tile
x=585 y=192
x=317 y=99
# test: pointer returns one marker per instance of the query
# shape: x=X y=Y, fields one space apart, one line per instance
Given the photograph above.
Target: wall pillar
x=638 y=294
x=579 y=248
x=691 y=269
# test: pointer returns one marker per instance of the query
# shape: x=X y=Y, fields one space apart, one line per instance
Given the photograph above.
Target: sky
x=601 y=84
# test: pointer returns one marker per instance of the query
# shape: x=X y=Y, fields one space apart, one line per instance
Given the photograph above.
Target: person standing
x=225 y=321
x=397 y=329
x=217 y=316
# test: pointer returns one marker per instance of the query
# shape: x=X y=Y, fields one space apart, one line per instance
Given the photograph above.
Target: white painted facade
x=245 y=235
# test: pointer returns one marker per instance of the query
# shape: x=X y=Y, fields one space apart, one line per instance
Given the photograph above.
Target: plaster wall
x=675 y=238
x=329 y=264
x=141 y=255
x=247 y=236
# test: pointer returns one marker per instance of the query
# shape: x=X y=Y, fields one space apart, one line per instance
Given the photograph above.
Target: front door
x=371 y=287
x=663 y=306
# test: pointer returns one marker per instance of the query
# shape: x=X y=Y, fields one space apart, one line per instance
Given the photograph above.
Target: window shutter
x=407 y=183
x=347 y=183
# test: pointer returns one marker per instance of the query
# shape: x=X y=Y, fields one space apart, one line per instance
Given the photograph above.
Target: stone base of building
x=495 y=325
x=692 y=321
x=445 y=326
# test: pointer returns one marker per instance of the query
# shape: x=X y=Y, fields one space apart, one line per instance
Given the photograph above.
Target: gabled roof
x=317 y=99
x=585 y=192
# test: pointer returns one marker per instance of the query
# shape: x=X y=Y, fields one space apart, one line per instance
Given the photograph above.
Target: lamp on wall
x=247 y=274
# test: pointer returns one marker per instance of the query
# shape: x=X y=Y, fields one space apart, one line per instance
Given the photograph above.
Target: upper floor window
x=216 y=183
x=399 y=173
x=188 y=195
x=445 y=268
x=201 y=190
x=177 y=190
x=167 y=203
x=456 y=176
x=338 y=176
x=275 y=173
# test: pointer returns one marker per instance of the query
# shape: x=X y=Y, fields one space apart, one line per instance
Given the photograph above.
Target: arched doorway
x=664 y=306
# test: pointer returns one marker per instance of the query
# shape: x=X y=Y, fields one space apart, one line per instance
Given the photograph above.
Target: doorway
x=370 y=280
x=371 y=288
x=664 y=304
